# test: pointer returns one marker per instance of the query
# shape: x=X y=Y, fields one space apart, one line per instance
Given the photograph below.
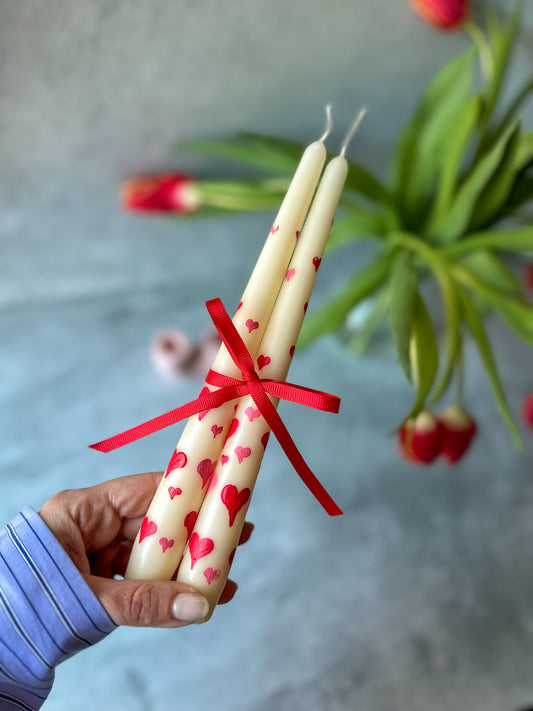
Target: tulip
x=442 y=14
x=529 y=277
x=528 y=410
x=458 y=431
x=161 y=194
x=420 y=438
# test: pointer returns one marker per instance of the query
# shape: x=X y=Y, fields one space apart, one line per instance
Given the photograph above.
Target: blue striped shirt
x=47 y=611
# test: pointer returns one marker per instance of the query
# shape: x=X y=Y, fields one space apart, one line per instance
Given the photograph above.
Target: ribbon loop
x=232 y=388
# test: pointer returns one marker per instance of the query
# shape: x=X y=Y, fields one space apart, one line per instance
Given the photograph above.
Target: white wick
x=329 y=124
x=353 y=128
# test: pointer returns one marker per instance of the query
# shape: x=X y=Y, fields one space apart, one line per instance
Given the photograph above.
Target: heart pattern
x=148 y=528
x=262 y=360
x=305 y=306
x=252 y=413
x=242 y=453
x=316 y=263
x=172 y=492
x=216 y=430
x=205 y=468
x=239 y=306
x=203 y=413
x=291 y=350
x=234 y=500
x=290 y=274
x=166 y=543
x=213 y=482
x=251 y=325
x=177 y=461
x=199 y=547
x=297 y=233
x=274 y=229
x=223 y=459
x=232 y=427
x=264 y=439
x=211 y=575
x=189 y=522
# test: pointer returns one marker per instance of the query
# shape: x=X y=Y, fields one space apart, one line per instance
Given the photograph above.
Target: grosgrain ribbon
x=231 y=388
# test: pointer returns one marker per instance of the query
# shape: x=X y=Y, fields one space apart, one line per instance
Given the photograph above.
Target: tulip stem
x=459 y=398
x=483 y=47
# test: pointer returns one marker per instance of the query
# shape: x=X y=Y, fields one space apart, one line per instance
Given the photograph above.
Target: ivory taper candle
x=170 y=518
x=207 y=560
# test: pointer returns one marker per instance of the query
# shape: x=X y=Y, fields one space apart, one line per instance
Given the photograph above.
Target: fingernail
x=190 y=607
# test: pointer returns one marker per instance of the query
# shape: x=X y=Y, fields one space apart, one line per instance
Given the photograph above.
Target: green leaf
x=452 y=334
x=424 y=354
x=516 y=239
x=453 y=224
x=403 y=290
x=332 y=316
x=363 y=336
x=246 y=151
x=422 y=146
x=354 y=225
x=362 y=182
x=480 y=337
x=492 y=271
x=524 y=151
x=494 y=195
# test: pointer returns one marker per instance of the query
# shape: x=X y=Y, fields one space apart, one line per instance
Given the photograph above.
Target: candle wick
x=329 y=124
x=351 y=131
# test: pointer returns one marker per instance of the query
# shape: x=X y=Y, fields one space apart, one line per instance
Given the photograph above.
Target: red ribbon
x=231 y=388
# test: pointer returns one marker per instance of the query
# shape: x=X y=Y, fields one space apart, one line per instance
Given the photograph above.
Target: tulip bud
x=442 y=14
x=420 y=438
x=528 y=410
x=161 y=194
x=458 y=430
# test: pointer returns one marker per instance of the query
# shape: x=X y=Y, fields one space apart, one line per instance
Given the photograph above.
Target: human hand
x=96 y=526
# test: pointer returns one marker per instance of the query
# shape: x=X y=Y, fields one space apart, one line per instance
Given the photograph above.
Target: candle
x=173 y=511
x=207 y=560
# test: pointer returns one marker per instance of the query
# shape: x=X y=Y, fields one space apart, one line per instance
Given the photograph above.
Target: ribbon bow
x=231 y=388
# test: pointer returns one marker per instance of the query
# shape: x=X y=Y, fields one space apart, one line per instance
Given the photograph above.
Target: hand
x=97 y=526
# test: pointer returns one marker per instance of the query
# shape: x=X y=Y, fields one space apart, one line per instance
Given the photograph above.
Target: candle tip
x=329 y=124
x=351 y=131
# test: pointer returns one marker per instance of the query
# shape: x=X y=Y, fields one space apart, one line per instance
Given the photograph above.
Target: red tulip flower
x=442 y=14
x=161 y=194
x=458 y=431
x=528 y=410
x=420 y=438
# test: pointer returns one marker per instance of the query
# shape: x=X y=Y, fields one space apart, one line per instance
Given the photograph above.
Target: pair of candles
x=194 y=522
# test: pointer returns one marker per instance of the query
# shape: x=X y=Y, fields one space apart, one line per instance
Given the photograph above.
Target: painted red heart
x=211 y=575
x=148 y=528
x=290 y=274
x=262 y=360
x=297 y=233
x=177 y=461
x=223 y=459
x=251 y=325
x=216 y=430
x=232 y=556
x=305 y=306
x=264 y=439
x=232 y=427
x=274 y=229
x=205 y=468
x=242 y=453
x=213 y=482
x=199 y=547
x=189 y=522
x=234 y=500
x=203 y=413
x=166 y=543
x=239 y=306
x=291 y=350
x=172 y=492
x=252 y=413
x=316 y=263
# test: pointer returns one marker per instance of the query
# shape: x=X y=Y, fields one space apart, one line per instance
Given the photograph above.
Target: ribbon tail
x=275 y=423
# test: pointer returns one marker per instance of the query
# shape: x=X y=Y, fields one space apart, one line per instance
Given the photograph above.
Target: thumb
x=149 y=603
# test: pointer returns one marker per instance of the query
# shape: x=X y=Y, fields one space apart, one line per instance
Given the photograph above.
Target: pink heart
x=274 y=229
x=174 y=492
x=234 y=500
x=291 y=350
x=205 y=468
x=252 y=413
x=262 y=360
x=242 y=453
x=148 y=528
x=251 y=325
x=189 y=522
x=177 y=461
x=216 y=430
x=316 y=263
x=264 y=439
x=203 y=413
x=232 y=427
x=305 y=306
x=166 y=543
x=211 y=575
x=223 y=459
x=199 y=547
x=213 y=482
x=290 y=274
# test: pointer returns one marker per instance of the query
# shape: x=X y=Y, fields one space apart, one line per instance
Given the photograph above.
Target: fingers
x=130 y=496
x=149 y=603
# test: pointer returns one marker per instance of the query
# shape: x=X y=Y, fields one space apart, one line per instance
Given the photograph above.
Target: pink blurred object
x=442 y=14
x=176 y=357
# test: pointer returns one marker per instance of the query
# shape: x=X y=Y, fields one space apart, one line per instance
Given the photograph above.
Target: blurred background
x=421 y=596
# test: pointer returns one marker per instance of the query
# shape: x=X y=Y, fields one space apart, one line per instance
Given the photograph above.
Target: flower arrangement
x=453 y=210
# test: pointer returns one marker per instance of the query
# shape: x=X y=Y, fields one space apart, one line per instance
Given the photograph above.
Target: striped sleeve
x=47 y=611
